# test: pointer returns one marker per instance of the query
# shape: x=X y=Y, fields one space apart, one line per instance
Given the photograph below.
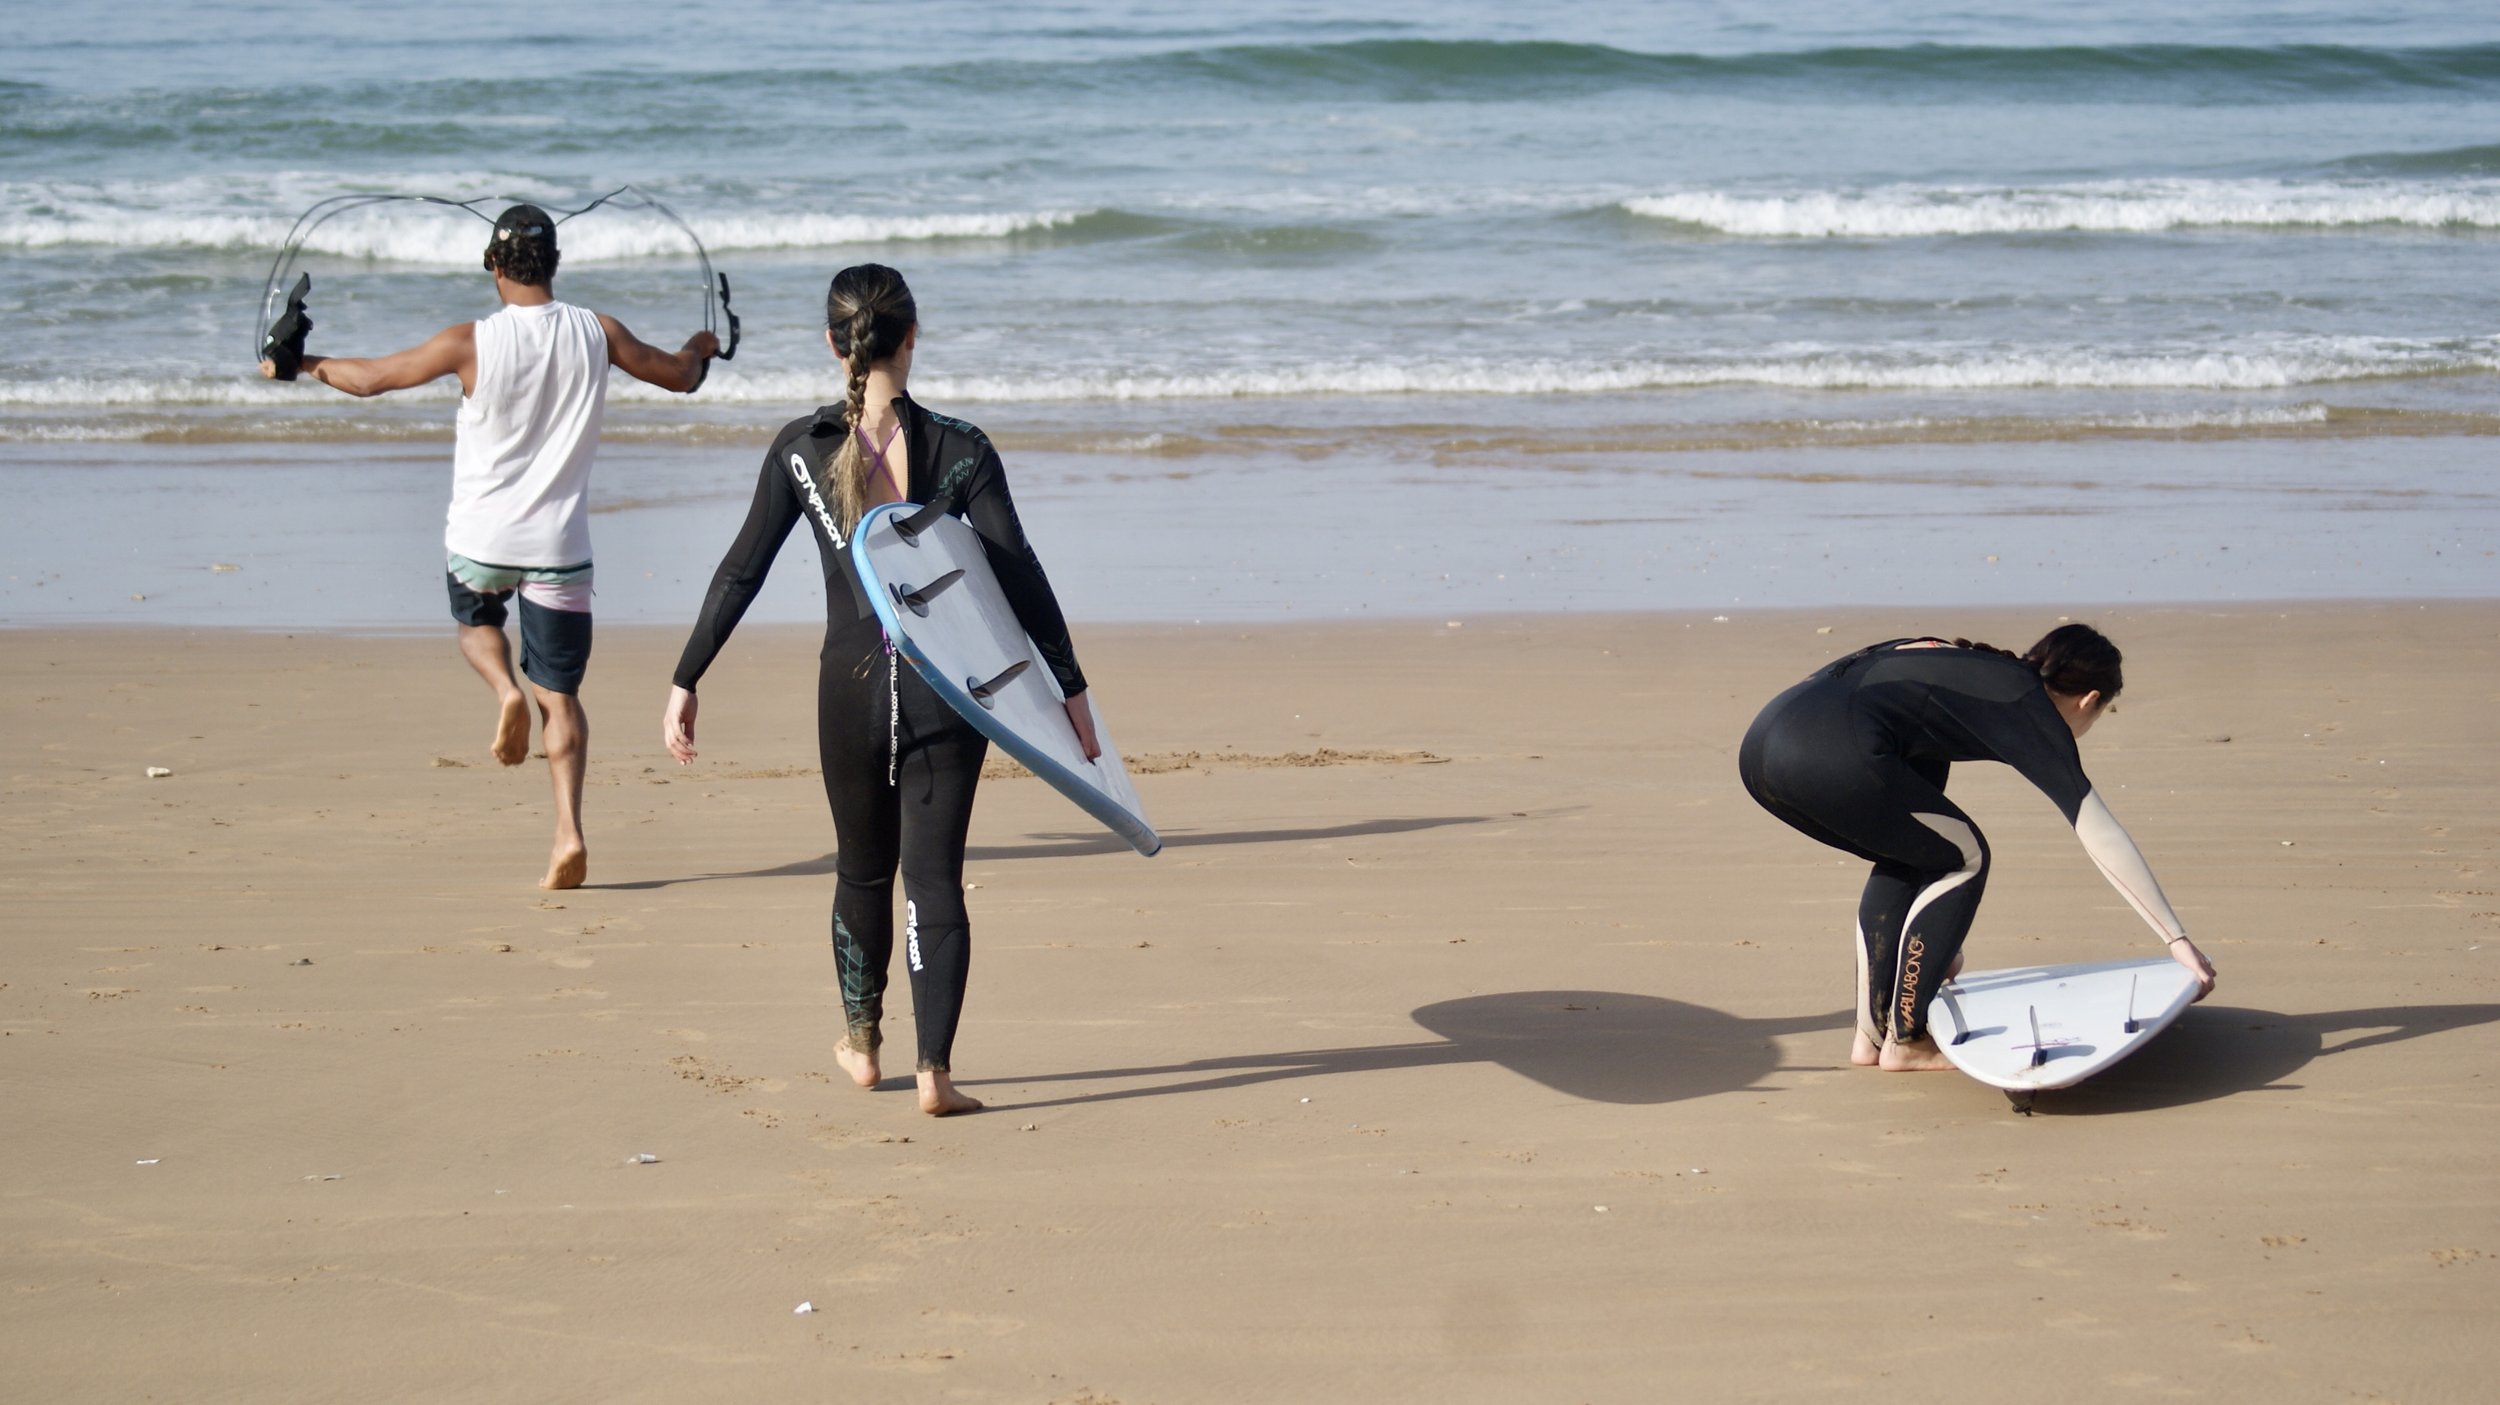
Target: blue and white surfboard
x=941 y=605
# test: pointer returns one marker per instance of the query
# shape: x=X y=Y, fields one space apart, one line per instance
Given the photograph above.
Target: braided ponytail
x=869 y=310
x=1977 y=647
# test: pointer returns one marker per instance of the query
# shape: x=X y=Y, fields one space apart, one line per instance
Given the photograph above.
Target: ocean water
x=1203 y=239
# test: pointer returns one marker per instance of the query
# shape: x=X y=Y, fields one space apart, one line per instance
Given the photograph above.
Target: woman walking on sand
x=900 y=766
x=1856 y=757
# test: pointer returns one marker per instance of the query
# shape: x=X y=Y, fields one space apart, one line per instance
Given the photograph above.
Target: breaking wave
x=2115 y=207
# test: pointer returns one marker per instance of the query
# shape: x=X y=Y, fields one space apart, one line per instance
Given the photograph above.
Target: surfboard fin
x=910 y=528
x=2133 y=1024
x=917 y=601
x=1959 y=1023
x=983 y=692
x=283 y=344
x=2039 y=1051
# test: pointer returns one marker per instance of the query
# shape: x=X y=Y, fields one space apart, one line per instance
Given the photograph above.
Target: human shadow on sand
x=1057 y=845
x=2218 y=1052
x=1603 y=1046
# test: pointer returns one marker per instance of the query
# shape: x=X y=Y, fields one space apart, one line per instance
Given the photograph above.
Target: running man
x=534 y=382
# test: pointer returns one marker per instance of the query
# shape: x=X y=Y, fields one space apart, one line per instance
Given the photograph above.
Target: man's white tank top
x=521 y=452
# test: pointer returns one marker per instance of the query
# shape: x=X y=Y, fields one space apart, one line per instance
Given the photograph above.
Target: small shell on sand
x=158 y=773
x=223 y=566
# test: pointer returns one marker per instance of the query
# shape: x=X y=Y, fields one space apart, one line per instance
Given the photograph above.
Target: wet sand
x=1283 y=524
x=1501 y=1057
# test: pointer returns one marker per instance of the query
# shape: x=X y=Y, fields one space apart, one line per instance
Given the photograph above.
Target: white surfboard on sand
x=940 y=603
x=2036 y=1027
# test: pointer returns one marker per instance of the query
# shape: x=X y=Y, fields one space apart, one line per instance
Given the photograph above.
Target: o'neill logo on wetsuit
x=815 y=499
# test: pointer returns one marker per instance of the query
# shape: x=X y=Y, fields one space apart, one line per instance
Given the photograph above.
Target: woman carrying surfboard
x=1856 y=757
x=900 y=766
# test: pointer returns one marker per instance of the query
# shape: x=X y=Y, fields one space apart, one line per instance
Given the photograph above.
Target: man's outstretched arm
x=680 y=370
x=449 y=352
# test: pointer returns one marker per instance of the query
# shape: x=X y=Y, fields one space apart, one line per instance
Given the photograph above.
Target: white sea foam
x=2262 y=417
x=186 y=215
x=2342 y=359
x=2307 y=361
x=2116 y=207
x=131 y=392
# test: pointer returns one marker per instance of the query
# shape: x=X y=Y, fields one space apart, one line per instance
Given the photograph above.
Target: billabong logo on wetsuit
x=815 y=499
x=911 y=933
x=1910 y=961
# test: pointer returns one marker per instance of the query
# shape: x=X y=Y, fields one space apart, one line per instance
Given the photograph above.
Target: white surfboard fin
x=1961 y=1025
x=2131 y=1025
x=910 y=528
x=2039 y=1051
x=983 y=692
x=917 y=601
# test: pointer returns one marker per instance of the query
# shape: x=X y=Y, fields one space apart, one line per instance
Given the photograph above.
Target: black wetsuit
x=900 y=766
x=1857 y=756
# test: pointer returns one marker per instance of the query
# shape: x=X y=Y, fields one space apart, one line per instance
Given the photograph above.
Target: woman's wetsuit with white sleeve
x=1856 y=757
x=900 y=766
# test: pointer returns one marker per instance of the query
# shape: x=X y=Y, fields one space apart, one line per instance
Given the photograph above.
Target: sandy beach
x=1475 y=1038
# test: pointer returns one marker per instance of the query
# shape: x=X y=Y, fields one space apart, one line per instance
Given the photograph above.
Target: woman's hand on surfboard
x=677 y=724
x=2185 y=953
x=1081 y=716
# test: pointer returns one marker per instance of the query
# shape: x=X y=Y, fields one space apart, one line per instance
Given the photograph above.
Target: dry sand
x=1510 y=1071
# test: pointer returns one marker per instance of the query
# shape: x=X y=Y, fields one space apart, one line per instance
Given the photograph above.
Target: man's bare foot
x=1956 y=968
x=512 y=738
x=860 y=1063
x=567 y=868
x=1862 y=1050
x=1915 y=1056
x=938 y=1097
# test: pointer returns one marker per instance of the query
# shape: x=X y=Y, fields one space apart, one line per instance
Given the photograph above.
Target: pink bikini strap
x=876 y=454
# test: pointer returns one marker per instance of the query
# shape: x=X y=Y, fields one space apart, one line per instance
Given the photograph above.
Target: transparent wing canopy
x=715 y=286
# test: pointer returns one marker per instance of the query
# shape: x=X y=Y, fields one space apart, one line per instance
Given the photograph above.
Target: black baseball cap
x=526 y=222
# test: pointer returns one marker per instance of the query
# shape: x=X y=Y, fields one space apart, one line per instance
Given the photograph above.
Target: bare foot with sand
x=860 y=1063
x=1863 y=1051
x=1915 y=1056
x=567 y=868
x=512 y=731
x=938 y=1097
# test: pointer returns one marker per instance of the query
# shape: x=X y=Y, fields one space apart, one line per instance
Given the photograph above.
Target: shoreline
x=350 y=538
x=1480 y=619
